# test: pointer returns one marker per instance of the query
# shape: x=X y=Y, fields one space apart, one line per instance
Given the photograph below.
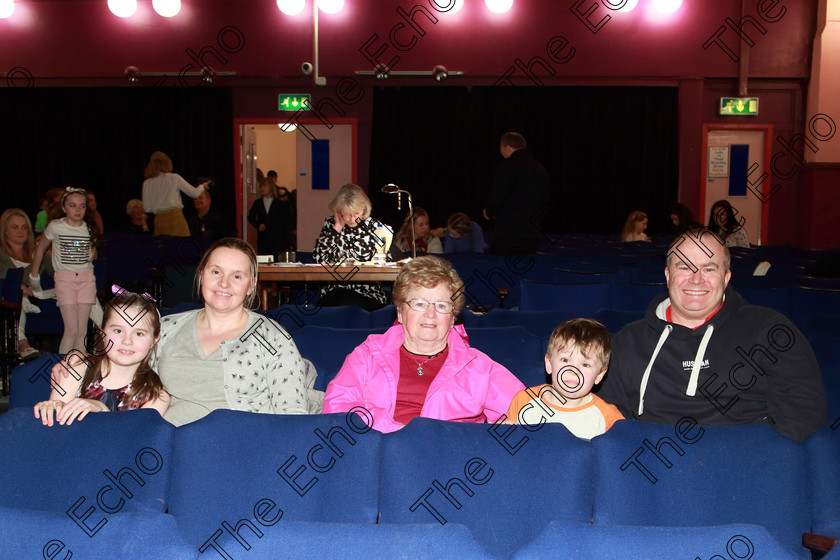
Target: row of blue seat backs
x=503 y=482
x=586 y=298
x=155 y=536
x=295 y=317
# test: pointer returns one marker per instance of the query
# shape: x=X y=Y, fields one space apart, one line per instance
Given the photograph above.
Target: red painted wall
x=82 y=43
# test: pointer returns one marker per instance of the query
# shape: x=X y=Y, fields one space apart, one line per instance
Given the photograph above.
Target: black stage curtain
x=101 y=139
x=609 y=150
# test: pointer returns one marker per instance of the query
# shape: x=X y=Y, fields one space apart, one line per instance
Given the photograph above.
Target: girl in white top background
x=72 y=240
x=162 y=196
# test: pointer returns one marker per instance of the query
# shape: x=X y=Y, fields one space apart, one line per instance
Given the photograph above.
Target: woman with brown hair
x=226 y=356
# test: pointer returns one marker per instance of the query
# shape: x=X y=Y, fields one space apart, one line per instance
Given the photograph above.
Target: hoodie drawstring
x=698 y=361
x=665 y=332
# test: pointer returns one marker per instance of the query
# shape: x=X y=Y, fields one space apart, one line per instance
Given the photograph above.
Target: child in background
x=577 y=359
x=46 y=201
x=635 y=226
x=426 y=243
x=119 y=376
x=72 y=259
x=95 y=215
x=463 y=235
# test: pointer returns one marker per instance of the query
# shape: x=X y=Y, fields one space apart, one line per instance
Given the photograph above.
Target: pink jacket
x=470 y=387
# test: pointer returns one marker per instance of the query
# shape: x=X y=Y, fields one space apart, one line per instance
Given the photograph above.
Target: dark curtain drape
x=609 y=150
x=101 y=138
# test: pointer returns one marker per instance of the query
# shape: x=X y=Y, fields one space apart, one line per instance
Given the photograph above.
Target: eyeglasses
x=420 y=304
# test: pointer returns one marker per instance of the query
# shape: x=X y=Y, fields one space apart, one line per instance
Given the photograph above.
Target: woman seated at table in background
x=423 y=366
x=227 y=356
x=350 y=234
x=425 y=241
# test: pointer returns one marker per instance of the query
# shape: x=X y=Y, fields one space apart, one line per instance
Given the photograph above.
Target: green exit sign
x=293 y=101
x=739 y=105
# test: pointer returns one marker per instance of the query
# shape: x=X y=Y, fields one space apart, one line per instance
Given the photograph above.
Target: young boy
x=577 y=359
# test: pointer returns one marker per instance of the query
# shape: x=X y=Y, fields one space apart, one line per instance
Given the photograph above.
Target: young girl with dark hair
x=118 y=375
x=723 y=222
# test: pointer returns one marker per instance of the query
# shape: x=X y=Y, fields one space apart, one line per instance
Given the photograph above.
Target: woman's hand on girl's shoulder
x=70 y=365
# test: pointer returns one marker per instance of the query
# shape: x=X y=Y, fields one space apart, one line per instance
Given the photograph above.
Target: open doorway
x=260 y=143
x=735 y=158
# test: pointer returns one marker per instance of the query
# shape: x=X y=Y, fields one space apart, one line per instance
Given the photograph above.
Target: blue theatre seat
x=516 y=348
x=327 y=348
x=384 y=317
x=635 y=297
x=689 y=476
x=118 y=461
x=826 y=348
x=499 y=481
x=824 y=457
x=243 y=468
x=775 y=297
x=147 y=536
x=582 y=299
x=31 y=381
x=812 y=301
x=831 y=382
x=592 y=542
x=294 y=317
x=539 y=323
x=565 y=276
x=616 y=320
x=351 y=541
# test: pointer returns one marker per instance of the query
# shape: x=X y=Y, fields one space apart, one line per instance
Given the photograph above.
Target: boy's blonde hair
x=590 y=336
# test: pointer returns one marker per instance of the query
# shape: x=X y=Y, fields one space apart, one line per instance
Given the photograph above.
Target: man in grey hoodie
x=702 y=351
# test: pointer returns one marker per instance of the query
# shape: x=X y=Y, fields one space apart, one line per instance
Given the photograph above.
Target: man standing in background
x=520 y=189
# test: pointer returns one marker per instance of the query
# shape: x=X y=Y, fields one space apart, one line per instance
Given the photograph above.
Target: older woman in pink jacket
x=423 y=366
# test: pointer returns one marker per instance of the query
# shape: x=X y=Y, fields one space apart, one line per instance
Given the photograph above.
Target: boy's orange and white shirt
x=591 y=419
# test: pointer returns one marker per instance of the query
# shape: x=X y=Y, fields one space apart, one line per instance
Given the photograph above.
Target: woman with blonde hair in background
x=162 y=196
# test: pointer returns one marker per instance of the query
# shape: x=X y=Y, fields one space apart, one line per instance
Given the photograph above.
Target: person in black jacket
x=703 y=353
x=270 y=216
x=520 y=189
x=207 y=224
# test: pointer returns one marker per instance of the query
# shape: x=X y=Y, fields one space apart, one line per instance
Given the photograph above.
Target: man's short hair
x=271 y=173
x=699 y=235
x=514 y=140
x=588 y=335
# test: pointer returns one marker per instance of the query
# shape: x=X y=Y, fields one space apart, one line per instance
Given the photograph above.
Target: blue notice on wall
x=738 y=154
x=321 y=164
